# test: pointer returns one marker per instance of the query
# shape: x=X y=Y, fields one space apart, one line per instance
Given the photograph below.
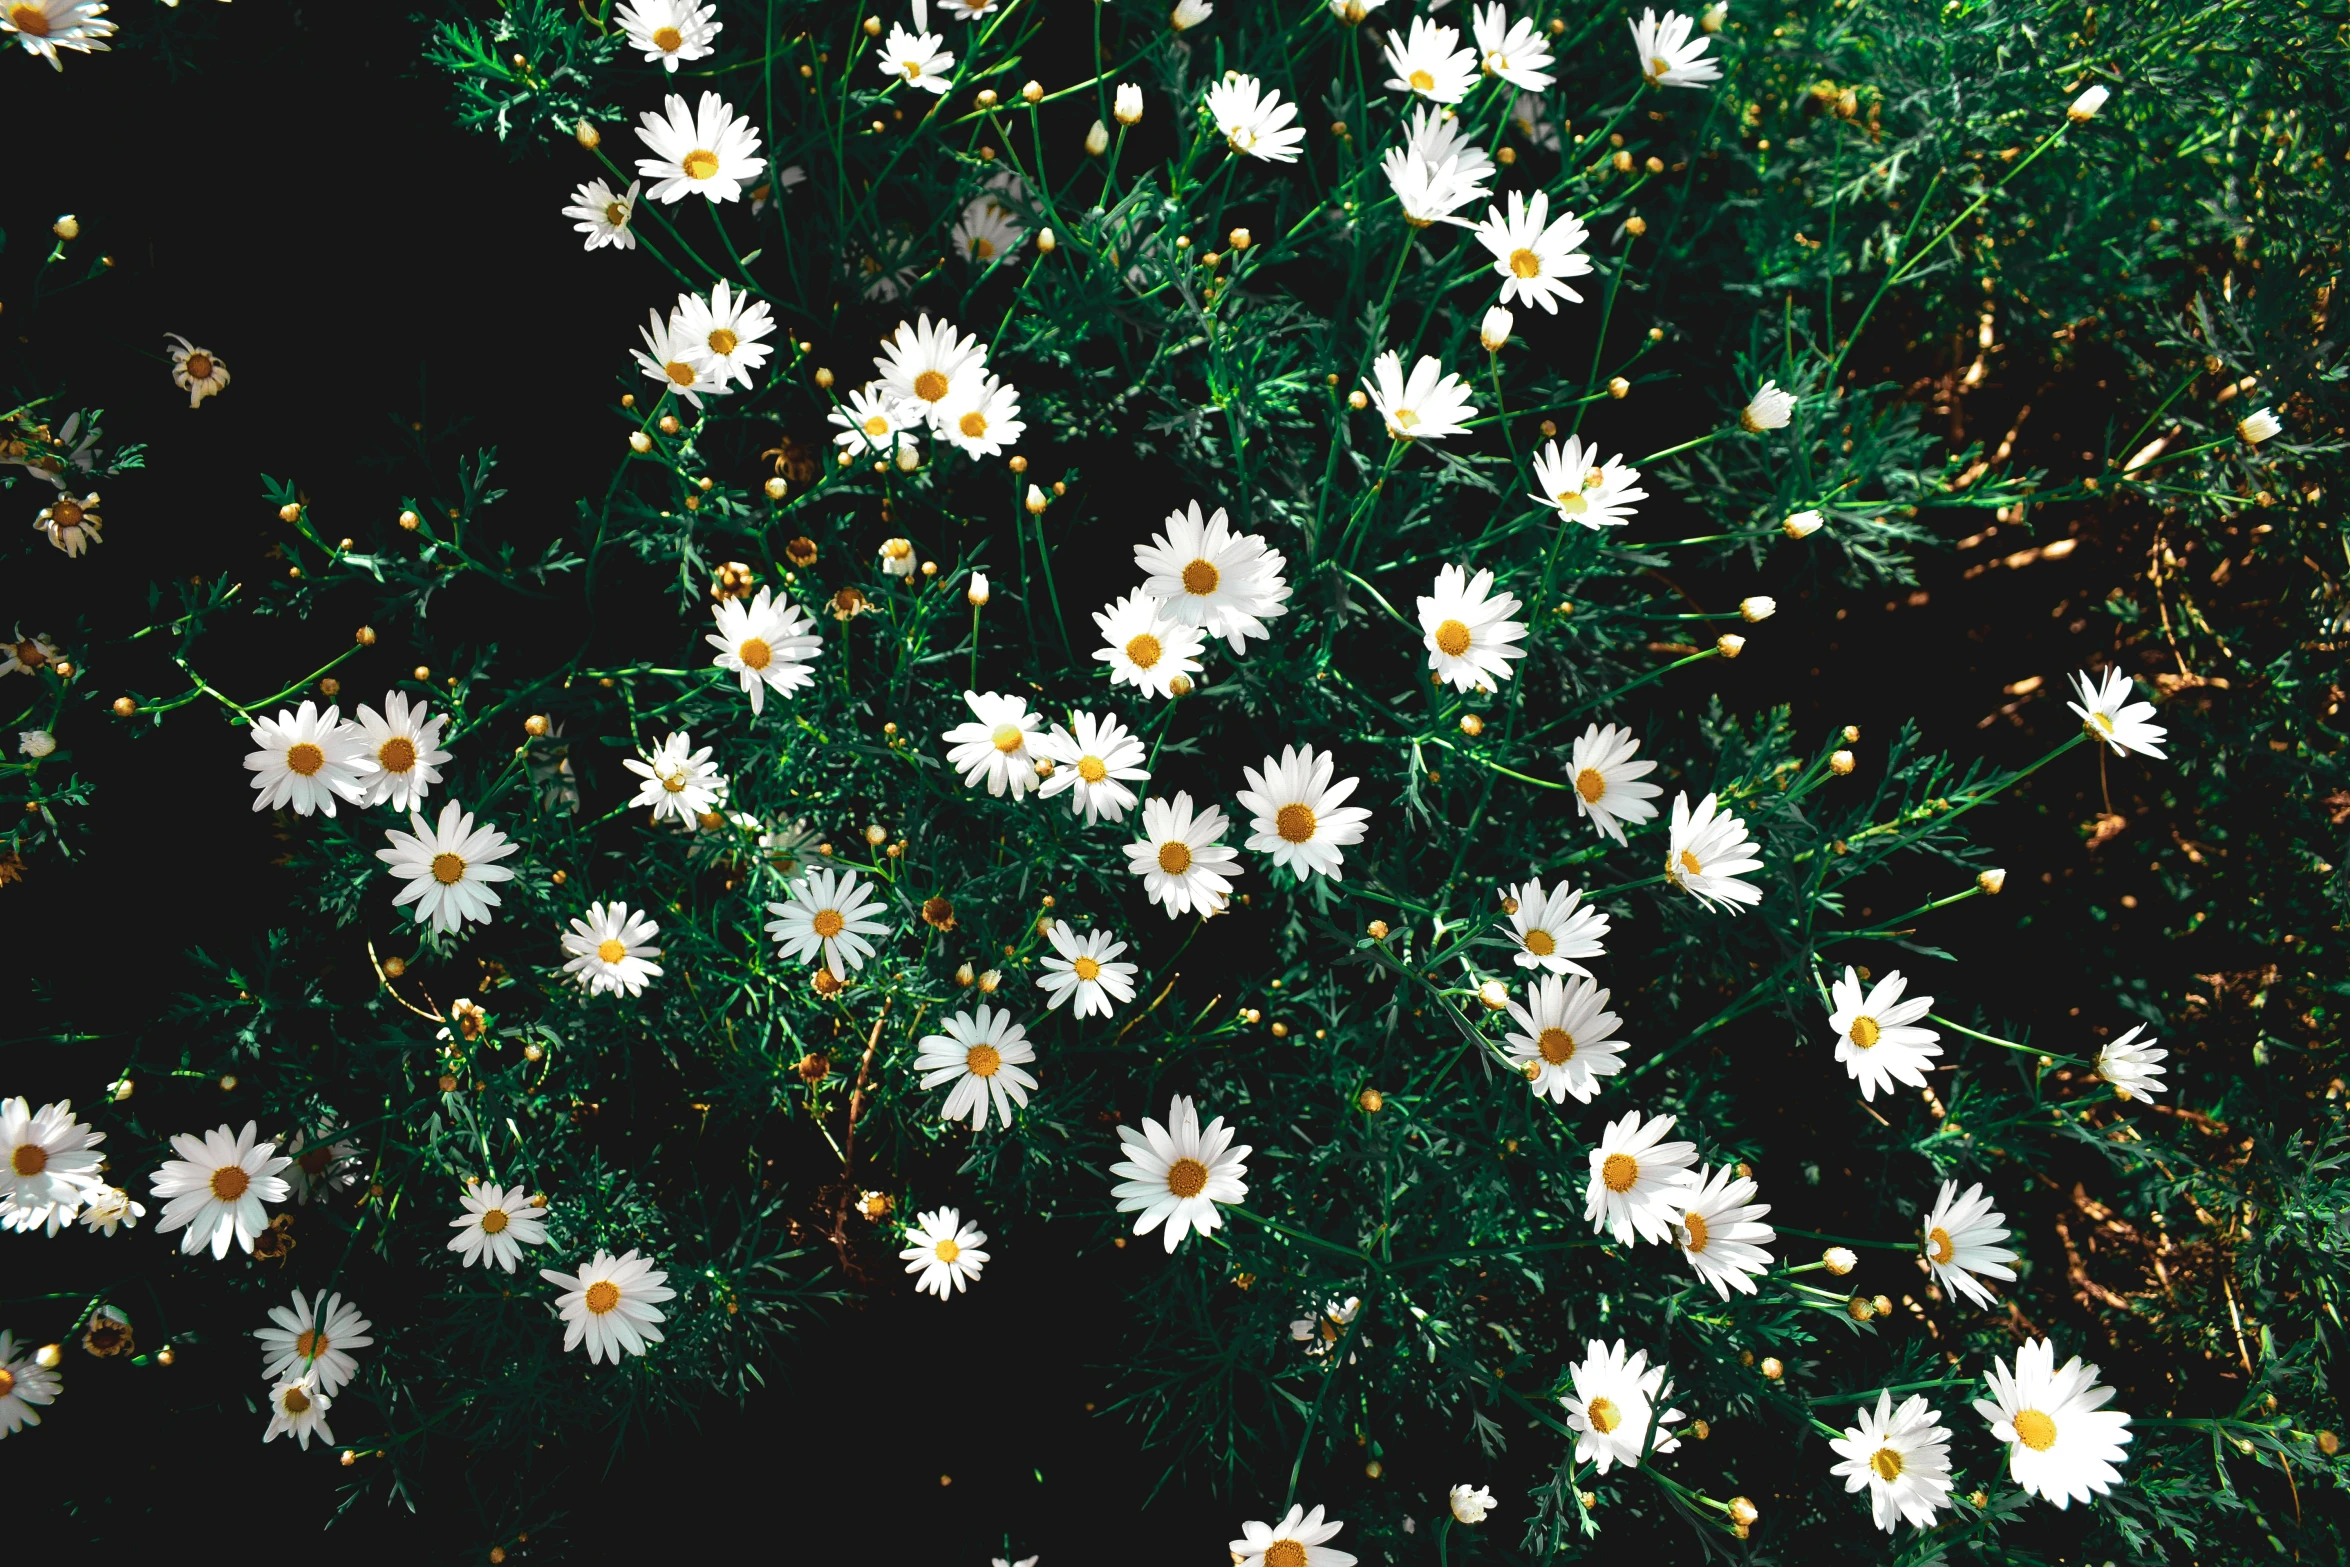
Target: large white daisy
x=983 y=1055
x=25 y=1386
x=945 y=1251
x=1565 y=1041
x=1877 y=1037
x=1533 y=255
x=1961 y=1240
x=710 y=151
x=1145 y=647
x=1467 y=630
x=730 y=329
x=1517 y=52
x=448 y=866
x=1000 y=744
x=982 y=418
x=2063 y=1441
x=1718 y=1233
x=1177 y=1173
x=1228 y=584
x=1614 y=1404
x=496 y=1224
x=928 y=363
x=52 y=1159
x=1096 y=757
x=1253 y=120
x=403 y=749
x=1296 y=1541
x=1708 y=852
x=1553 y=929
x=765 y=644
x=1085 y=967
x=674 y=361
x=1607 y=787
x=1182 y=862
x=610 y=949
x=312 y=1341
x=1427 y=60
x=1669 y=57
x=916 y=59
x=680 y=783
x=1901 y=1457
x=2108 y=714
x=611 y=1304
x=1582 y=489
x=1639 y=1182
x=45 y=26
x=1299 y=815
x=1427 y=406
x=306 y=759
x=669 y=33
x=828 y=913
x=215 y=1189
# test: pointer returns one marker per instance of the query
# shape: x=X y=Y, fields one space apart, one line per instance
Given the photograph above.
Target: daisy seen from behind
x=496 y=1224
x=604 y=216
x=765 y=644
x=708 y=151
x=449 y=866
x=1181 y=859
x=916 y=59
x=1669 y=57
x=927 y=363
x=1515 y=51
x=1718 y=1232
x=1708 y=852
x=1877 y=1037
x=1901 y=1457
x=609 y=949
x=1253 y=120
x=730 y=329
x=1428 y=405
x=1467 y=630
x=1961 y=1241
x=1298 y=812
x=45 y=26
x=1175 y=1175
x=1572 y=480
x=611 y=1304
x=1565 y=1040
x=52 y=1159
x=1205 y=574
x=1296 y=1541
x=1608 y=791
x=1534 y=255
x=25 y=1386
x=827 y=914
x=2108 y=714
x=669 y=33
x=680 y=783
x=199 y=372
x=983 y=1054
x=403 y=749
x=2062 y=1441
x=1639 y=1182
x=214 y=1191
x=1096 y=758
x=1553 y=928
x=1428 y=61
x=944 y=1251
x=1085 y=967
x=297 y=1408
x=312 y=1340
x=2131 y=1065
x=1144 y=647
x=306 y=759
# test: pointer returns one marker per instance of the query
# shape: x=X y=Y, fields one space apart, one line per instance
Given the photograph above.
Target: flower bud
x=1842 y=764
x=1494 y=994
x=965 y=977
x=1097 y=140
x=1743 y=1511
x=1046 y=242
x=1240 y=239
x=1357 y=400
x=1371 y=1100
x=291 y=511
x=1714 y=16
x=1128 y=104
x=1494 y=332
x=976 y=592
x=1860 y=1308
x=1179 y=686
x=2258 y=426
x=1032 y=91
x=1771 y=1369
x=47 y=1356
x=776 y=488
x=67 y=227
x=535 y=725
x=1618 y=387
x=589 y=136
x=1037 y=501
x=1759 y=607
x=124 y=707
x=1803 y=524
x=1376 y=930
x=639 y=442
x=364 y=636
x=1840 y=1260
x=989 y=981
x=909 y=457
x=1729 y=644
x=1472 y=725
x=2085 y=107
x=1992 y=881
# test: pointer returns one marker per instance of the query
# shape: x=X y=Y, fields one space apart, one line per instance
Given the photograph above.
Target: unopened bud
x=589 y=136
x=1128 y=106
x=1842 y=764
x=1046 y=243
x=1037 y=501
x=989 y=981
x=364 y=636
x=2085 y=107
x=1743 y=1511
x=1759 y=607
x=776 y=488
x=67 y=227
x=1240 y=239
x=1494 y=994
x=1991 y=881
x=977 y=591
x=1032 y=91
x=1097 y=140
x=1376 y=930
x=1494 y=331
x=1472 y=725
x=639 y=442
x=1729 y=644
x=1618 y=387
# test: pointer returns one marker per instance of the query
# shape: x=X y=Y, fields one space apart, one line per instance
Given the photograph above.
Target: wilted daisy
x=306 y=759
x=199 y=372
x=729 y=328
x=1085 y=967
x=928 y=363
x=766 y=644
x=52 y=1158
x=1180 y=859
x=496 y=1225
x=917 y=60
x=1429 y=192
x=1435 y=137
x=1296 y=1541
x=1097 y=756
x=1467 y=630
x=297 y=1408
x=1553 y=929
x=986 y=232
x=668 y=32
x=1144 y=647
x=1517 y=52
x=1427 y=60
x=323 y=1163
x=313 y=1339
x=680 y=783
x=1708 y=852
x=1428 y=406
x=110 y=1206
x=70 y=525
x=1000 y=744
x=2064 y=1442
x=944 y=1251
x=1639 y=1183
x=215 y=1189
x=1299 y=816
x=1565 y=1041
x=1614 y=1405
x=612 y=1304
x=1204 y=574
x=1177 y=1173
x=46 y=26
x=609 y=950
x=1902 y=1457
x=829 y=913
x=1608 y=790
x=982 y=418
x=1584 y=490
x=23 y=655
x=1533 y=255
x=1961 y=1240
x=1718 y=1233
x=897 y=557
x=1768 y=409
x=1669 y=57
x=875 y=419
x=25 y=1386
x=1877 y=1037
x=675 y=362
x=2131 y=1066
x=708 y=152
x=404 y=749
x=983 y=1056
x=1252 y=119
x=448 y=866
x=2108 y=714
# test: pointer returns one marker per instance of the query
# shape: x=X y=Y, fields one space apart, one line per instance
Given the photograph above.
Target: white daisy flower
x=2063 y=1441
x=1253 y=120
x=1127 y=109
x=448 y=866
x=52 y=1159
x=1296 y=1541
x=48 y=1217
x=496 y=1225
x=1467 y=630
x=45 y=26
x=306 y=759
x=1428 y=406
x=323 y=1163
x=669 y=32
x=1085 y=967
x=2091 y=100
x=1144 y=648
x=828 y=912
x=2131 y=1066
x=1182 y=862
x=1608 y=790
x=675 y=361
x=35 y=743
x=1097 y=757
x=25 y=1386
x=612 y=1304
x=1614 y=1405
x=312 y=1341
x=944 y=1251
x=199 y=372
x=1299 y=816
x=2262 y=424
x=23 y=655
x=1639 y=1183
x=1354 y=12
x=1428 y=60
x=1768 y=409
x=1188 y=14
x=897 y=557
x=986 y=232
x=927 y=364
x=983 y=1057
x=298 y=1409
x=1877 y=1037
x=400 y=752
x=110 y=1206
x=215 y=1189
x=968 y=10
x=2108 y=714
x=603 y=216
x=1708 y=852
x=1228 y=584
x=1565 y=1043
x=1553 y=929
x=1532 y=255
x=1718 y=1233
x=917 y=60
x=765 y=644
x=1901 y=1457
x=999 y=745
x=1517 y=52
x=730 y=329
x=1435 y=137
x=1493 y=333
x=679 y=783
x=708 y=152
x=1668 y=56
x=70 y=525
x=610 y=950
x=876 y=420
x=1429 y=192
x=1177 y=1173
x=1961 y=1240
x=982 y=418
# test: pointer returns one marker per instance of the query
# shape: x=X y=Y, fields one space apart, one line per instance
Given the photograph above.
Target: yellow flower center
x=2035 y=1430
x=1696 y=1237
x=980 y=247
x=973 y=424
x=668 y=39
x=723 y=341
x=2100 y=723
x=612 y=951
x=1557 y=1046
x=1603 y=1415
x=602 y=1296
x=1938 y=1245
x=1087 y=969
x=755 y=654
x=199 y=366
x=1452 y=639
x=494 y=1222
x=1091 y=769
x=1174 y=858
x=1404 y=420
x=448 y=869
x=1009 y=738
x=1887 y=1463
x=877 y=427
x=1422 y=82
x=229 y=1182
x=930 y=386
x=1540 y=942
x=29 y=1159
x=305 y=759
x=310 y=1343
x=827 y=923
x=1201 y=577
x=1524 y=263
x=29 y=19
x=1590 y=785
x=983 y=1061
x=396 y=755
x=1658 y=65
x=1295 y=823
x=913 y=69
x=1572 y=503
x=677 y=782
x=1187 y=1178
x=679 y=371
x=946 y=1250
x=1689 y=864
x=1144 y=651
x=1619 y=1171
x=616 y=214
x=297 y=1401
x=700 y=164
x=7 y=1381
x=1285 y=1553
x=1865 y=1032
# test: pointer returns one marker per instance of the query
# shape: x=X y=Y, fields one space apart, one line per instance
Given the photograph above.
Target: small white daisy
x=669 y=33
x=928 y=363
x=199 y=372
x=610 y=950
x=1614 y=1406
x=448 y=866
x=1533 y=255
x=1177 y=1173
x=1565 y=1041
x=1435 y=137
x=1428 y=192
x=897 y=557
x=1584 y=489
x=612 y=1304
x=25 y=1386
x=496 y=1225
x=2261 y=424
x=1877 y=1037
x=603 y=216
x=1517 y=52
x=1607 y=786
x=1467 y=630
x=730 y=329
x=1253 y=120
x=1299 y=815
x=999 y=745
x=1296 y=1541
x=1718 y=1233
x=1427 y=406
x=1901 y=1457
x=1668 y=56
x=982 y=418
x=986 y=232
x=109 y=1207
x=297 y=1408
x=709 y=151
x=944 y=1251
x=1768 y=409
x=403 y=749
x=2131 y=1065
x=1206 y=575
x=983 y=1056
x=312 y=1341
x=1182 y=862
x=52 y=1159
x=828 y=913
x=308 y=760
x=1961 y=1240
x=680 y=783
x=1708 y=852
x=1097 y=757
x=1085 y=967
x=917 y=60
x=1427 y=60
x=2108 y=714
x=2063 y=1441
x=1639 y=1183
x=1553 y=929
x=215 y=1189
x=876 y=420
x=323 y=1163
x=45 y=26
x=676 y=362
x=765 y=644
x=1145 y=648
